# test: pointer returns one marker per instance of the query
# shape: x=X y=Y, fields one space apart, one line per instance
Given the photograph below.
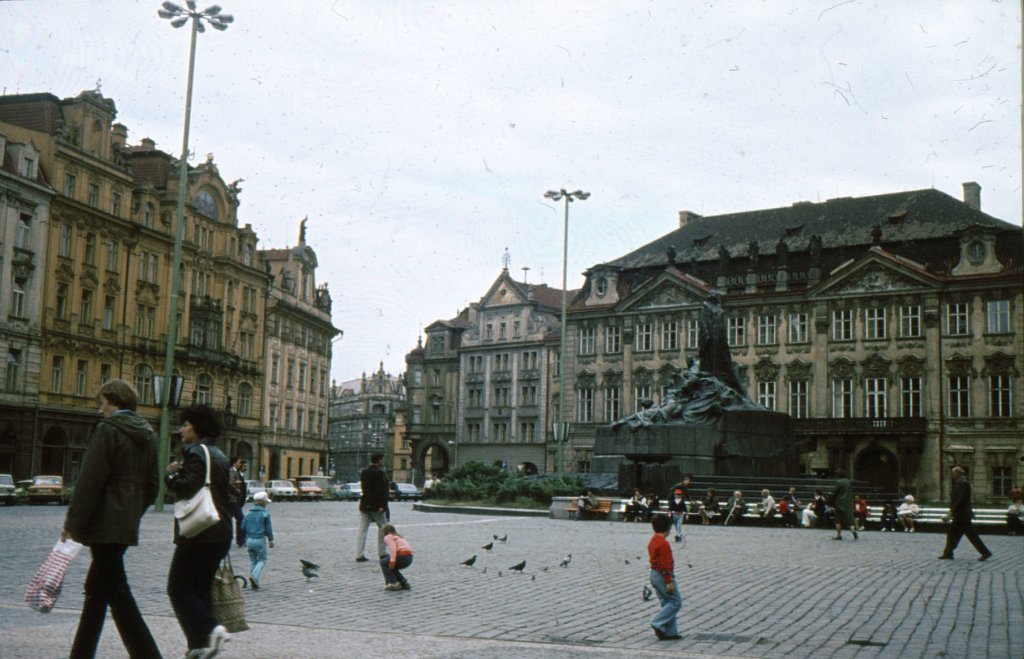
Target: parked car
x=252 y=487
x=309 y=490
x=282 y=491
x=350 y=492
x=7 y=494
x=21 y=490
x=406 y=492
x=46 y=489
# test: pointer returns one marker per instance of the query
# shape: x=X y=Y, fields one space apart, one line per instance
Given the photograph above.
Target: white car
x=252 y=487
x=282 y=491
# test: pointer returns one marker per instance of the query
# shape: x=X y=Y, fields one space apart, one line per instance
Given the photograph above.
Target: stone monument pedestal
x=739 y=443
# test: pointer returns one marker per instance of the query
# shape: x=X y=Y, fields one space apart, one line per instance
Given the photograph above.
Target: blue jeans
x=677 y=522
x=257 y=557
x=393 y=574
x=665 y=619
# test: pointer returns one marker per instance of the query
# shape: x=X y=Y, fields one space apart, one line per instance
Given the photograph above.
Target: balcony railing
x=864 y=426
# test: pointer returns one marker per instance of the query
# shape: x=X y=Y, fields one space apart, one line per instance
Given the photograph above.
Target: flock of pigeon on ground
x=518 y=567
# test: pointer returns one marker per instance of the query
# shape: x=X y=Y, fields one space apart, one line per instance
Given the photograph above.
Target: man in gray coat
x=118 y=481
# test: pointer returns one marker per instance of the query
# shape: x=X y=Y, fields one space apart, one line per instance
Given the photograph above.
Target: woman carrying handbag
x=196 y=557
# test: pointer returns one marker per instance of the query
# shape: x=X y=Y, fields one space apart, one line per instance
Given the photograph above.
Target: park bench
x=603 y=509
x=932 y=517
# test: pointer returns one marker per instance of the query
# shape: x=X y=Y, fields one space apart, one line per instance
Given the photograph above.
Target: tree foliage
x=476 y=481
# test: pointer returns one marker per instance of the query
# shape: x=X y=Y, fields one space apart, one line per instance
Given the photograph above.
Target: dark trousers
x=394 y=574
x=958 y=529
x=107 y=586
x=239 y=531
x=188 y=586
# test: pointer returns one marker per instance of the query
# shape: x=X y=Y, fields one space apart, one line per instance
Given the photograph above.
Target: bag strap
x=207 y=452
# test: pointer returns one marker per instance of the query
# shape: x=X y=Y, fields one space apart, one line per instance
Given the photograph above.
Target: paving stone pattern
x=747 y=592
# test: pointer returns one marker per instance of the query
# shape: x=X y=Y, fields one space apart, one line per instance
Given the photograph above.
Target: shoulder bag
x=197 y=513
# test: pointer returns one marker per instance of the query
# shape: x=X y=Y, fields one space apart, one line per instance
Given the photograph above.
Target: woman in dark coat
x=842 y=505
x=196 y=559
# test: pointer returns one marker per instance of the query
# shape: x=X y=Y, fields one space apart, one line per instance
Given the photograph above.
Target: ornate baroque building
x=299 y=336
x=479 y=391
x=364 y=419
x=889 y=327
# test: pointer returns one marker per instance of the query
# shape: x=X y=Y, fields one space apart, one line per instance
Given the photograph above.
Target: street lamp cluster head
x=179 y=15
x=556 y=195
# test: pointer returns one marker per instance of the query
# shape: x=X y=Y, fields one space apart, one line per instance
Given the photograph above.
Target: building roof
x=39 y=112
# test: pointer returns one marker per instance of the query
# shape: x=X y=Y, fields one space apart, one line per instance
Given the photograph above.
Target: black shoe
x=255 y=584
x=362 y=559
x=671 y=637
x=945 y=557
x=985 y=557
x=405 y=585
x=660 y=634
x=855 y=535
x=679 y=538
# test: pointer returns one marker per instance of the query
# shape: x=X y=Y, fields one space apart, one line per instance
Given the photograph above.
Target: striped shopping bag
x=45 y=586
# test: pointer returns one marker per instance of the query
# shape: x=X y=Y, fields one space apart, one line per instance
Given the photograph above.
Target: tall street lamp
x=569 y=197
x=179 y=16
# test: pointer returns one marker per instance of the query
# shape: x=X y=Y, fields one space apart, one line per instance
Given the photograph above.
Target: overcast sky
x=419 y=137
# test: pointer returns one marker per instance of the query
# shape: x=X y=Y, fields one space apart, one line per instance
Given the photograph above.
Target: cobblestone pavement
x=747 y=592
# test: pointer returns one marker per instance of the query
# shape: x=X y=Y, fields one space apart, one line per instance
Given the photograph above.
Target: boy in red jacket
x=663 y=580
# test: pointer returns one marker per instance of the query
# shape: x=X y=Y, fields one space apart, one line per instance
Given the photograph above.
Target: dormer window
x=602 y=286
x=28 y=167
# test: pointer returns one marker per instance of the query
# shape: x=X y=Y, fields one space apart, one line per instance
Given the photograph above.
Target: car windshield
x=257 y=487
x=5 y=479
x=46 y=480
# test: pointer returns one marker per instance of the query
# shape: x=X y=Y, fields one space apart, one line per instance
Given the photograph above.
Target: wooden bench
x=932 y=517
x=603 y=509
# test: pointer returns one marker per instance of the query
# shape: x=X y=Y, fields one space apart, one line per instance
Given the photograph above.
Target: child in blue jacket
x=258 y=533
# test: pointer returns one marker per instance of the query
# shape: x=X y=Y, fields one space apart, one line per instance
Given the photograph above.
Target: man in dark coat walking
x=118 y=481
x=960 y=514
x=373 y=505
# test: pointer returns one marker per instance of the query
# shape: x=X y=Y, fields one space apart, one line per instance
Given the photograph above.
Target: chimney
x=147 y=144
x=686 y=216
x=119 y=134
x=972 y=195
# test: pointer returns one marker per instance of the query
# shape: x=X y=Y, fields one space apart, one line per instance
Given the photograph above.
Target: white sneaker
x=218 y=637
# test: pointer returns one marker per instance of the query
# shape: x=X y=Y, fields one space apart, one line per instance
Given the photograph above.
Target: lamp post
x=179 y=16
x=569 y=197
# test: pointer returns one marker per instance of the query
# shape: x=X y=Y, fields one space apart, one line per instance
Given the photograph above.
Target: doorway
x=879 y=467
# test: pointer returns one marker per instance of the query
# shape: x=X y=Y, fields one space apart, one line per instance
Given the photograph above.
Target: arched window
x=204 y=390
x=244 y=399
x=147 y=215
x=144 y=383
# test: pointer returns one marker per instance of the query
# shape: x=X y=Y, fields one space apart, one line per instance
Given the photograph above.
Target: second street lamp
x=179 y=16
x=568 y=197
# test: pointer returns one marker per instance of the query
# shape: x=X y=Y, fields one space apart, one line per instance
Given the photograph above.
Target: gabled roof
x=876 y=270
x=917 y=215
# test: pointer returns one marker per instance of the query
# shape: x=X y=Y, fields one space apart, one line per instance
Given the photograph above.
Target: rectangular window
x=670 y=335
x=105 y=373
x=528 y=395
x=1002 y=481
x=501 y=330
x=874 y=323
x=611 y=403
x=766 y=330
x=28 y=167
x=64 y=248
x=515 y=329
x=797 y=328
x=766 y=394
x=69 y=185
x=999 y=395
x=12 y=378
x=23 y=235
x=81 y=377
x=842 y=325
x=290 y=382
x=18 y=297
x=500 y=429
x=997 y=316
x=529 y=360
x=736 y=332
x=302 y=377
x=476 y=397
x=112 y=256
x=587 y=340
x=910 y=321
x=798 y=408
x=145 y=321
x=94 y=195
x=473 y=432
x=910 y=397
x=109 y=304
x=959 y=396
x=692 y=333
x=874 y=398
x=61 y=308
x=273 y=416
x=489 y=331
x=300 y=417
x=644 y=337
x=85 y=307
x=56 y=374
x=115 y=204
x=528 y=431
x=958 y=319
x=612 y=339
x=842 y=399
x=585 y=412
x=641 y=396
x=274 y=368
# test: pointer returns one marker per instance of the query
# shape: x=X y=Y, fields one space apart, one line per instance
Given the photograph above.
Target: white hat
x=910 y=498
x=261 y=497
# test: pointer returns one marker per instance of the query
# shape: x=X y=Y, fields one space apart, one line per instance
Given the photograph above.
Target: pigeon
x=648 y=593
x=488 y=546
x=518 y=567
x=503 y=538
x=533 y=577
x=469 y=561
x=627 y=561
x=545 y=568
x=485 y=570
x=309 y=570
x=565 y=561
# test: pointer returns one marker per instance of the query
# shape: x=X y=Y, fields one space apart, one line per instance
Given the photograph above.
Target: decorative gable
x=669 y=290
x=879 y=272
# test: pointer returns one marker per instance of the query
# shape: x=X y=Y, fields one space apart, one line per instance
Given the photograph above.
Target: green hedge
x=476 y=481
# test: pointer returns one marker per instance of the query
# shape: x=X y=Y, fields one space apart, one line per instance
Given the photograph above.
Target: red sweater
x=660 y=553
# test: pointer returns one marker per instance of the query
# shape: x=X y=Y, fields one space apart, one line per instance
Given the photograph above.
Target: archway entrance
x=51 y=455
x=434 y=462
x=880 y=467
x=526 y=469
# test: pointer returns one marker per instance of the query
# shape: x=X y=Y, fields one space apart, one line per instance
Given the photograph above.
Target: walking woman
x=842 y=505
x=196 y=559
